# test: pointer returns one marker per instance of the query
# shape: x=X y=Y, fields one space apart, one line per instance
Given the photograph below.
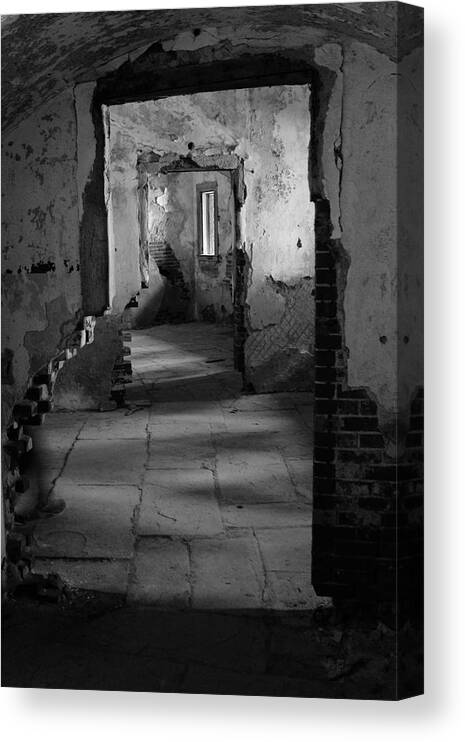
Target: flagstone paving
x=194 y=496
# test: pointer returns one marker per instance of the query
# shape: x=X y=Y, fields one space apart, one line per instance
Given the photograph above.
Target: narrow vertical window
x=208 y=222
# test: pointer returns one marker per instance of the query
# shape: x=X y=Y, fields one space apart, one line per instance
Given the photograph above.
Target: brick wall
x=280 y=356
x=176 y=299
x=367 y=535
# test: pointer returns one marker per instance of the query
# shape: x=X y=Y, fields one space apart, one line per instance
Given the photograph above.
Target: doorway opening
x=187 y=220
x=210 y=219
x=209 y=209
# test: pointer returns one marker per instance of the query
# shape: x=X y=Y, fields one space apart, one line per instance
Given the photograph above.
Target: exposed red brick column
x=367 y=534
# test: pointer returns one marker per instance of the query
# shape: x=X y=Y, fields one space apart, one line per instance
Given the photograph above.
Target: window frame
x=207 y=187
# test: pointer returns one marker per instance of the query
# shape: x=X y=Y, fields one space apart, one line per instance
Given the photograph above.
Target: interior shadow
x=96 y=642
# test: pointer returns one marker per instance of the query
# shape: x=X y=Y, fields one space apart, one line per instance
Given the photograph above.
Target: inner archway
x=249 y=432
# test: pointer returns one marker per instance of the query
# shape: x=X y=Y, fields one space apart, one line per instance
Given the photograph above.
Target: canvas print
x=212 y=339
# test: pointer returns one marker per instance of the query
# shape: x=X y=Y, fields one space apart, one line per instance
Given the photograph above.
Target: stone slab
x=161 y=574
x=179 y=432
x=115 y=424
x=274 y=421
x=118 y=461
x=192 y=412
x=270 y=515
x=301 y=471
x=180 y=446
x=265 y=430
x=258 y=441
x=286 y=549
x=226 y=573
x=97 y=522
x=68 y=423
x=278 y=401
x=106 y=576
x=253 y=478
x=179 y=503
x=298 y=444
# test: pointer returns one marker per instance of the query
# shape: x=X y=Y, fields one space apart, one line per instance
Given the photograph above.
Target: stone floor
x=186 y=542
x=195 y=496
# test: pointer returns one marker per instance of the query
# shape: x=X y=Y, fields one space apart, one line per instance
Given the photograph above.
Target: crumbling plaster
x=40 y=235
x=123 y=224
x=269 y=129
x=410 y=226
x=48 y=54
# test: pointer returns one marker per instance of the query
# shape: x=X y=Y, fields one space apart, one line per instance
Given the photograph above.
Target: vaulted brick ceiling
x=44 y=54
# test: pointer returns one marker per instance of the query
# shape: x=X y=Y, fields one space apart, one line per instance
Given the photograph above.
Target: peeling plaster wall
x=384 y=274
x=410 y=228
x=277 y=223
x=368 y=220
x=40 y=241
x=48 y=54
x=270 y=129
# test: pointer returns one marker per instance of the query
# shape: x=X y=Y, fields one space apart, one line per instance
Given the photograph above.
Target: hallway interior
x=193 y=496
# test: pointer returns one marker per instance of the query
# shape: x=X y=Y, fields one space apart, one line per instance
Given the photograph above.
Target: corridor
x=194 y=496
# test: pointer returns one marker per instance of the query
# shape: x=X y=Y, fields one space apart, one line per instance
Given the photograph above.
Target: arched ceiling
x=42 y=55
